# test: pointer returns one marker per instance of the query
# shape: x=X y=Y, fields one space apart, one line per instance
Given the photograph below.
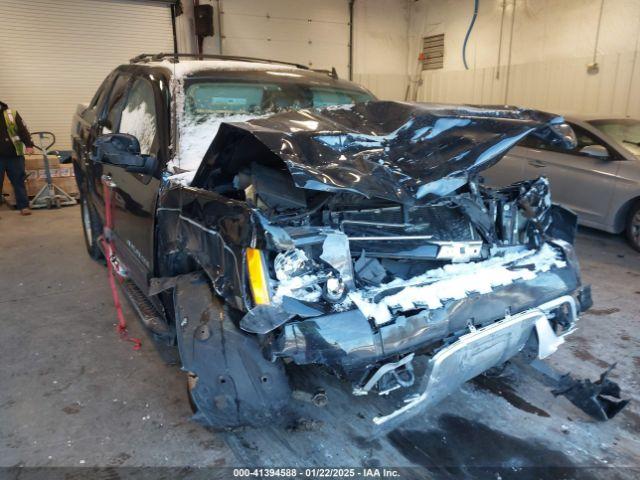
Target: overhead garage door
x=310 y=32
x=55 y=53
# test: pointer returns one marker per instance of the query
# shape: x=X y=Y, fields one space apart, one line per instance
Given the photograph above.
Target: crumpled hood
x=392 y=150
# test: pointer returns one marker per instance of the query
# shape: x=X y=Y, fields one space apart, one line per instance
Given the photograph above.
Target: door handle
x=108 y=181
x=537 y=163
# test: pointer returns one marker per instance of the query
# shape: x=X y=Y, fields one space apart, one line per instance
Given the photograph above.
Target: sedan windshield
x=233 y=98
x=625 y=131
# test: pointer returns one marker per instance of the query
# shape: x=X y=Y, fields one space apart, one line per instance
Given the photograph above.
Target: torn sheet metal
x=391 y=150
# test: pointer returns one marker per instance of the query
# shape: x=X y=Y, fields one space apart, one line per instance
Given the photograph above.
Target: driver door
x=134 y=195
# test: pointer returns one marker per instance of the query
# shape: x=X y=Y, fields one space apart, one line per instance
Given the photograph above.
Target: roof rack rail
x=332 y=73
x=175 y=58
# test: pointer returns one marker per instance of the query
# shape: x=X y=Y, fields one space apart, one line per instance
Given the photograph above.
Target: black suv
x=265 y=214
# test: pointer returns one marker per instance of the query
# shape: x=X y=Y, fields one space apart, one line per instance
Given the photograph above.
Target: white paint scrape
x=456 y=281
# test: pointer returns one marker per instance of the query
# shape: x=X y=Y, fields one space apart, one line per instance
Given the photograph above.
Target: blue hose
x=466 y=37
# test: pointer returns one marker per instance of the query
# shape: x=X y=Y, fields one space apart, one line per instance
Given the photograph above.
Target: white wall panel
x=553 y=42
x=54 y=54
x=560 y=86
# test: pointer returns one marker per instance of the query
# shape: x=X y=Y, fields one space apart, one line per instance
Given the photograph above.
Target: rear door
x=135 y=195
x=578 y=181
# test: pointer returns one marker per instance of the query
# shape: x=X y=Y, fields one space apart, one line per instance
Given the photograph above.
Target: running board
x=151 y=318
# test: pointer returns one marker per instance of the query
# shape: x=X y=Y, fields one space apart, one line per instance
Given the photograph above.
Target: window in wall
x=433 y=52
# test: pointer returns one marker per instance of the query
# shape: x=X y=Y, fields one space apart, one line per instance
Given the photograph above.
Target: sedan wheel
x=633 y=227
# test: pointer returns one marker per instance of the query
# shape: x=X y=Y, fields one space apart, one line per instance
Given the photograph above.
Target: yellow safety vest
x=12 y=129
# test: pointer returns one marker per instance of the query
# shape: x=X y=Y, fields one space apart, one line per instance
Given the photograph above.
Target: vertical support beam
x=173 y=28
x=351 y=3
x=218 y=14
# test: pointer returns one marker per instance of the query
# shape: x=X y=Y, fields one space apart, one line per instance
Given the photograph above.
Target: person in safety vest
x=15 y=141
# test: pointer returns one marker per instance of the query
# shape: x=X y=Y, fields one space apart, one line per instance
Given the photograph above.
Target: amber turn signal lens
x=258 y=280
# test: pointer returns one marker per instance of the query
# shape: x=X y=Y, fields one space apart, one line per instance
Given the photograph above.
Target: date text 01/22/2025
x=316 y=472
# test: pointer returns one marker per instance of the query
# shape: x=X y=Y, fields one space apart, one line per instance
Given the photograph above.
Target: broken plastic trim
x=600 y=399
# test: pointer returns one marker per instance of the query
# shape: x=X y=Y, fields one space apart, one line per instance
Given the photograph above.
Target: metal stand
x=49 y=195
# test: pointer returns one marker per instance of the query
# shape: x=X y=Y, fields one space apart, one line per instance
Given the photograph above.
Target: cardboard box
x=62 y=175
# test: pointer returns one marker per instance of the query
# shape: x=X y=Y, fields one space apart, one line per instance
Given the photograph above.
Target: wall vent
x=433 y=52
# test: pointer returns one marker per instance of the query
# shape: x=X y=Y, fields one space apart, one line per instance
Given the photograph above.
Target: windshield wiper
x=637 y=144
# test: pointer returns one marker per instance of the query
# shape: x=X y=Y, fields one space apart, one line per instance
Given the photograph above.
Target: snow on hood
x=391 y=150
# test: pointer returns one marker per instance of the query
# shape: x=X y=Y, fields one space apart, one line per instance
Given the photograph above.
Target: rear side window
x=101 y=93
x=139 y=116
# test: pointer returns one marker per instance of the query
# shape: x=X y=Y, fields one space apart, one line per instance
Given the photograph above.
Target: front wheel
x=633 y=226
x=90 y=228
x=229 y=381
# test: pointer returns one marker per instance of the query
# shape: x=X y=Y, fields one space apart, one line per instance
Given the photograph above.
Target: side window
x=531 y=141
x=102 y=91
x=139 y=116
x=117 y=98
x=585 y=138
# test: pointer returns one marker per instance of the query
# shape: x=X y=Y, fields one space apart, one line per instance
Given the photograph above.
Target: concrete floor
x=73 y=394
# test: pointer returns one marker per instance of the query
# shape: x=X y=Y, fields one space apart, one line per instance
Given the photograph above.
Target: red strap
x=109 y=251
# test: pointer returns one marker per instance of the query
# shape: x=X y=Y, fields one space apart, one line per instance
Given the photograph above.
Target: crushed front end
x=364 y=252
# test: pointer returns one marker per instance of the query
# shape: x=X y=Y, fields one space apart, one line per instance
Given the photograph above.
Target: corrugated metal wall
x=54 y=55
x=562 y=86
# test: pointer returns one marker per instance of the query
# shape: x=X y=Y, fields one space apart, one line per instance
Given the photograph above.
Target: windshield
x=625 y=131
x=205 y=99
x=209 y=103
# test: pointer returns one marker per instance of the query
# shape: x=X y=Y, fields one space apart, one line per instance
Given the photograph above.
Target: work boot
x=25 y=211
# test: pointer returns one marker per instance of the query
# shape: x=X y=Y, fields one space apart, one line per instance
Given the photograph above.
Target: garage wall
x=551 y=46
x=380 y=46
x=54 y=55
x=316 y=33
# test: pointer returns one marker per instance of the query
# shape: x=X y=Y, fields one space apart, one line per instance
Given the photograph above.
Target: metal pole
x=173 y=28
x=513 y=20
x=351 y=3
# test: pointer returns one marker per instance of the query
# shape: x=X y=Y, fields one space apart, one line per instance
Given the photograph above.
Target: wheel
x=192 y=380
x=91 y=229
x=633 y=226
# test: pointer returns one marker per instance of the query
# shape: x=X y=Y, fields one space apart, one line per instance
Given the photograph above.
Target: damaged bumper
x=355 y=345
x=484 y=348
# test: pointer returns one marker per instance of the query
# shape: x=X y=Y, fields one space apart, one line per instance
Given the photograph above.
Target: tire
x=192 y=380
x=633 y=226
x=91 y=229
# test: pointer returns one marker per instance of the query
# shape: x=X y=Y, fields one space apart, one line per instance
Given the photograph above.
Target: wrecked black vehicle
x=357 y=237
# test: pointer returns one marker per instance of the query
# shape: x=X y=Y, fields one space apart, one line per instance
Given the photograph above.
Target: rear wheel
x=90 y=228
x=633 y=226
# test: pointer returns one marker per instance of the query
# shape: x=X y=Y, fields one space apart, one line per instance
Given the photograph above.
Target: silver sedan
x=599 y=179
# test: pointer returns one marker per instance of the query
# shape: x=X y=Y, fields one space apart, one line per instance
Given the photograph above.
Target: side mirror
x=122 y=150
x=64 y=156
x=595 y=151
